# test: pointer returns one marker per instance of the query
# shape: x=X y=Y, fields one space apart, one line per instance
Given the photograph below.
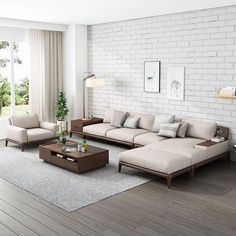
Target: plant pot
x=62 y=125
x=62 y=140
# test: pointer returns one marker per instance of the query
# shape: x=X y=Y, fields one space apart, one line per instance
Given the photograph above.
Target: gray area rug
x=63 y=188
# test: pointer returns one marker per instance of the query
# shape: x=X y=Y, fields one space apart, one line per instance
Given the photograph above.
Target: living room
x=118 y=117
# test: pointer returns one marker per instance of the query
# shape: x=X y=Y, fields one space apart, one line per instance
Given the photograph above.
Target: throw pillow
x=182 y=129
x=131 y=122
x=161 y=119
x=168 y=130
x=119 y=118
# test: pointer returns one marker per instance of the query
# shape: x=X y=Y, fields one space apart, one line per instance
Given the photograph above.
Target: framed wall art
x=152 y=76
x=175 y=83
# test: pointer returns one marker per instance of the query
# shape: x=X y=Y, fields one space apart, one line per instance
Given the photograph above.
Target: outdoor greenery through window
x=14 y=83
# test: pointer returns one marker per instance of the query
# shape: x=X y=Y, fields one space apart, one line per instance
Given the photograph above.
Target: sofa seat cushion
x=98 y=129
x=155 y=160
x=148 y=138
x=39 y=134
x=181 y=146
x=125 y=134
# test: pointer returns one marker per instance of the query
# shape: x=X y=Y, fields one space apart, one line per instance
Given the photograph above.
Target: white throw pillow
x=168 y=130
x=131 y=122
x=119 y=118
x=162 y=119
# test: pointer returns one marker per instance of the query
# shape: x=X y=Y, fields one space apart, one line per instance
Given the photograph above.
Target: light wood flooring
x=205 y=205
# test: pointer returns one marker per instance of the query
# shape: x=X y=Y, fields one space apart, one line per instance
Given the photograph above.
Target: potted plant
x=62 y=135
x=61 y=111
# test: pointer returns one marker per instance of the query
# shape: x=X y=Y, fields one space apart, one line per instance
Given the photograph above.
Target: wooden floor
x=205 y=205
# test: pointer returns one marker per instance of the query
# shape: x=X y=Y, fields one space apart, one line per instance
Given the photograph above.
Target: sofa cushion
x=162 y=119
x=201 y=128
x=131 y=122
x=182 y=129
x=98 y=129
x=25 y=121
x=108 y=116
x=152 y=159
x=146 y=120
x=168 y=130
x=39 y=134
x=179 y=146
x=147 y=138
x=119 y=118
x=125 y=134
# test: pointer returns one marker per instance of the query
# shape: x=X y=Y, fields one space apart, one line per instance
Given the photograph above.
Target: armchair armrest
x=17 y=134
x=50 y=126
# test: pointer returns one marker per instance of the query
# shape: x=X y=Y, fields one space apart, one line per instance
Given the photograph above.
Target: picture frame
x=175 y=83
x=152 y=76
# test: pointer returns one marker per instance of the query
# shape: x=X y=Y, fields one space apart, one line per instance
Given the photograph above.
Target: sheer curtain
x=45 y=49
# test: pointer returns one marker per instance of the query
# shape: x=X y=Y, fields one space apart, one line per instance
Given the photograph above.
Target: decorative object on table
x=91 y=82
x=219 y=136
x=226 y=92
x=152 y=76
x=175 y=83
x=61 y=111
x=62 y=135
x=83 y=146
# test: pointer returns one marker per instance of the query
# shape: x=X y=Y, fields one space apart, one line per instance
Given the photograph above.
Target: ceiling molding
x=6 y=22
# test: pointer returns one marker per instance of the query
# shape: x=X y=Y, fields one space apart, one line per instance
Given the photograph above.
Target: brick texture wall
x=203 y=41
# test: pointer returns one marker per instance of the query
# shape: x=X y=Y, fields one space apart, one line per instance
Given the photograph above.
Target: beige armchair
x=26 y=129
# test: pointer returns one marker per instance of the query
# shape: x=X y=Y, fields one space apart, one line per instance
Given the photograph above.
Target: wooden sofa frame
x=23 y=144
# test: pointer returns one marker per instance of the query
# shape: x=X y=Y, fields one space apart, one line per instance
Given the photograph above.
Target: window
x=14 y=82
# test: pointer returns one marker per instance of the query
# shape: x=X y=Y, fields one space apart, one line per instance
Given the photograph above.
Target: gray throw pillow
x=182 y=129
x=131 y=122
x=162 y=119
x=168 y=130
x=119 y=118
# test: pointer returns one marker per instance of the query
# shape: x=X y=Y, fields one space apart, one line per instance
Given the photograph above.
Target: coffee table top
x=75 y=155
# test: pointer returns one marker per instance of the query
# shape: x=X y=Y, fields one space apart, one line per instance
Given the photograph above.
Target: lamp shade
x=94 y=83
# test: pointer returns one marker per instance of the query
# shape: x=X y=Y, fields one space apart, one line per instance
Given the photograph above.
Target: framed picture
x=152 y=76
x=175 y=83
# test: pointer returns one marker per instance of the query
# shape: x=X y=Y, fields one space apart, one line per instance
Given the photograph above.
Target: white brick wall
x=204 y=42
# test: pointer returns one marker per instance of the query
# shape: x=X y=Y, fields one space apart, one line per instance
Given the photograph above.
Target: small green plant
x=61 y=107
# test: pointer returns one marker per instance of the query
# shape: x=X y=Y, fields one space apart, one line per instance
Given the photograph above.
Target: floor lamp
x=90 y=81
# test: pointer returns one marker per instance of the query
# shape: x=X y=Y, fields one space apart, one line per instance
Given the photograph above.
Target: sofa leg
x=70 y=134
x=22 y=147
x=169 y=181
x=6 y=143
x=191 y=172
x=119 y=168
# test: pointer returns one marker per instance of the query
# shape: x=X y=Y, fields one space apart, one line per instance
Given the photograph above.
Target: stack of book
x=227 y=92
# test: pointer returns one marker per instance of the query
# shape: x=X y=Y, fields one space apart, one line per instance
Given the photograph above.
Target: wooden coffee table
x=78 y=162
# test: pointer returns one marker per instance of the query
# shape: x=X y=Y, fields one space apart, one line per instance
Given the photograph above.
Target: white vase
x=62 y=125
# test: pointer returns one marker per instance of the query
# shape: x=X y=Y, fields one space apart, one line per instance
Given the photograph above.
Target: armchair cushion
x=39 y=134
x=17 y=133
x=49 y=126
x=25 y=121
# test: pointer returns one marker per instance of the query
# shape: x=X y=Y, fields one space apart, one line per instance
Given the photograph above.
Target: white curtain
x=45 y=72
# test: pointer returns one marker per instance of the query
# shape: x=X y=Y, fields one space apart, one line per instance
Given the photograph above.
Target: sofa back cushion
x=146 y=120
x=202 y=129
x=25 y=121
x=108 y=116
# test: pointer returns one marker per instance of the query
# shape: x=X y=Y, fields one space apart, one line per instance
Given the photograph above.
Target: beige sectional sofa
x=166 y=157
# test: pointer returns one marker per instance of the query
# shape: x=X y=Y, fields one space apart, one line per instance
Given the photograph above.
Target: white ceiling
x=98 y=11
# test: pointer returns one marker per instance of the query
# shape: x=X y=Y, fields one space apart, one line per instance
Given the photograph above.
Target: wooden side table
x=77 y=125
